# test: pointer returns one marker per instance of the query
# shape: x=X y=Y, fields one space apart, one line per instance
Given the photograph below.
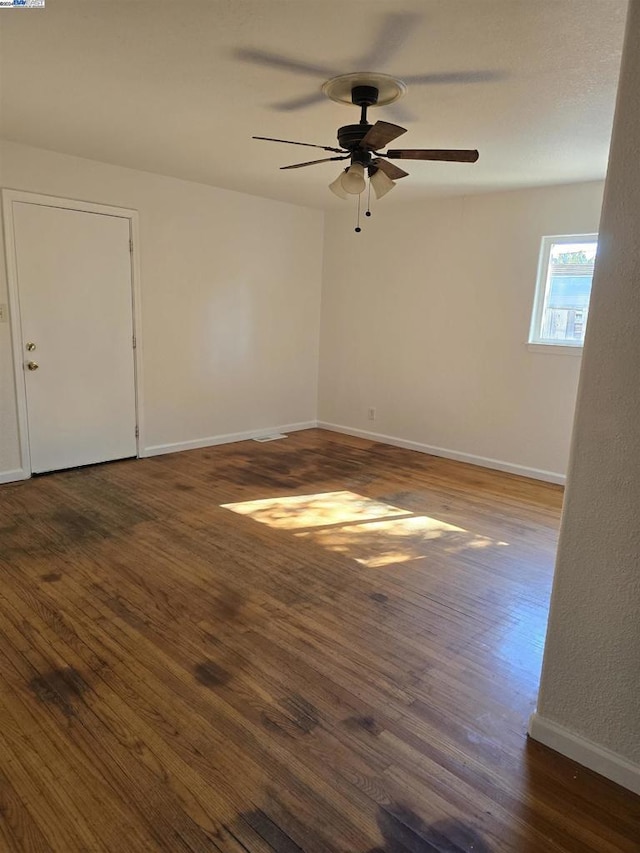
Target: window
x=561 y=303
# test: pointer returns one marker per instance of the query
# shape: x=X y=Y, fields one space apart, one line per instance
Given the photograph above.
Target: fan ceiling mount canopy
x=340 y=89
x=361 y=143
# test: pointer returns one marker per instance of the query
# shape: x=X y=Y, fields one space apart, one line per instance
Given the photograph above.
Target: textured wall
x=591 y=674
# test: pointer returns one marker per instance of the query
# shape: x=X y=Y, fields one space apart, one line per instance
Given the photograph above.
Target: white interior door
x=74 y=282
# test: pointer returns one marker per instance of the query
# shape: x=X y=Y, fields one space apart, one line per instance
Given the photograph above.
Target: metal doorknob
x=31 y=365
x=31 y=346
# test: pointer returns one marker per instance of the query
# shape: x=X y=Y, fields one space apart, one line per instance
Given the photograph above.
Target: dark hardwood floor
x=319 y=644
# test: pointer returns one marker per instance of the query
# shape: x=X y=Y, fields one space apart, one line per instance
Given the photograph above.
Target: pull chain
x=368 y=210
x=358 y=229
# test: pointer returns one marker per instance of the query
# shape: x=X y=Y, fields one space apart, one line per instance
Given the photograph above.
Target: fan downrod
x=351 y=135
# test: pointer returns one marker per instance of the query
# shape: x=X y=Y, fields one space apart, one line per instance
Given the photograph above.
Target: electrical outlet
x=4 y=314
x=371 y=414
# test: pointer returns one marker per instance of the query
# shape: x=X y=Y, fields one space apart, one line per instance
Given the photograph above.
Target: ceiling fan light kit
x=337 y=188
x=381 y=183
x=352 y=180
x=361 y=143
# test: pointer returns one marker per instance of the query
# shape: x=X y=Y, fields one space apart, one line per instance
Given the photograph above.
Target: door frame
x=17 y=344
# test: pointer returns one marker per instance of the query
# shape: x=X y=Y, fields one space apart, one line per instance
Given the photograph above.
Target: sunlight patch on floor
x=381 y=543
x=302 y=511
x=371 y=532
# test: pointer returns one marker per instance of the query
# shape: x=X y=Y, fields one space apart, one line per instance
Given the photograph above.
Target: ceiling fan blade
x=393 y=31
x=299 y=103
x=261 y=57
x=381 y=134
x=456 y=77
x=306 y=144
x=450 y=154
x=390 y=169
x=313 y=162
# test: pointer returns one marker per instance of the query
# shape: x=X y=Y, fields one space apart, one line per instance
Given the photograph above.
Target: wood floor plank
x=322 y=644
x=18 y=829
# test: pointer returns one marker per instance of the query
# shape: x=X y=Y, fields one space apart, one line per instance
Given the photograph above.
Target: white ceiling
x=169 y=86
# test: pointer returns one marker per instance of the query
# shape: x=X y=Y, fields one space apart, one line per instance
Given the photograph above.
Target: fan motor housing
x=351 y=135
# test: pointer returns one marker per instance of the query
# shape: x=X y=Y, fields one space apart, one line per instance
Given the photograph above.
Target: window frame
x=535 y=342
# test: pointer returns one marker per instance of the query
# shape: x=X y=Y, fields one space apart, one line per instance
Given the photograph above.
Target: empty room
x=326 y=540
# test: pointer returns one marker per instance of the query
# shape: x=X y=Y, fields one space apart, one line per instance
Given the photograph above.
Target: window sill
x=555 y=349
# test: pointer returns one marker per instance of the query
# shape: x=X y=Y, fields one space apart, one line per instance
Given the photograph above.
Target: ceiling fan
x=361 y=143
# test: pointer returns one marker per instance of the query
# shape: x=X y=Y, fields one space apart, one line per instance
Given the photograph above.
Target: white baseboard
x=585 y=752
x=210 y=441
x=482 y=461
x=13 y=476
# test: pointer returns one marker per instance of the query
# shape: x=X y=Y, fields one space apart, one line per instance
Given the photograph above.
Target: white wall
x=425 y=316
x=589 y=705
x=230 y=299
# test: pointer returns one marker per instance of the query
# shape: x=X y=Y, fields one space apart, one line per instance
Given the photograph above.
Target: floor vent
x=275 y=437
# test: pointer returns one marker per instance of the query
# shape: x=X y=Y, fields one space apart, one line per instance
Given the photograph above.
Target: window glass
x=563 y=290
